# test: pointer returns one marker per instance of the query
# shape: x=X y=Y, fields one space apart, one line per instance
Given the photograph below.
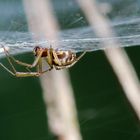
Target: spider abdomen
x=64 y=58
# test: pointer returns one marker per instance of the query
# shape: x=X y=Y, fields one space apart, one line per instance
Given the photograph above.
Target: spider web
x=124 y=21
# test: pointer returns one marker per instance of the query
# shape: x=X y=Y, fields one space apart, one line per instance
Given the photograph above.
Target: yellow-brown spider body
x=55 y=58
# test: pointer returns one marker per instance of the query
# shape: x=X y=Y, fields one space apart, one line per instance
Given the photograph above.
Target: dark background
x=103 y=110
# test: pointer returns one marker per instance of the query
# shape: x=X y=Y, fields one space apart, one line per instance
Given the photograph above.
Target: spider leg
x=28 y=69
x=21 y=74
x=78 y=58
x=63 y=67
x=8 y=70
x=56 y=59
x=22 y=63
x=27 y=74
x=49 y=58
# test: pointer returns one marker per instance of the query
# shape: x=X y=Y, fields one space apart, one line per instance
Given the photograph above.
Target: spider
x=57 y=59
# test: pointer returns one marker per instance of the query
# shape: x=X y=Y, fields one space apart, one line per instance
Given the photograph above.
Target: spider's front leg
x=9 y=57
x=21 y=74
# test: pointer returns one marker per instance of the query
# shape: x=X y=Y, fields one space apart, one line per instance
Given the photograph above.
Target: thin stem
x=57 y=90
x=116 y=56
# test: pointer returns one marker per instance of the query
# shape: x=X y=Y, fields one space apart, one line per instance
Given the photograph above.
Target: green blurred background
x=103 y=110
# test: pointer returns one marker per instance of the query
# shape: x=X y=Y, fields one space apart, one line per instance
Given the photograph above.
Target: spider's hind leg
x=81 y=55
x=23 y=63
x=77 y=59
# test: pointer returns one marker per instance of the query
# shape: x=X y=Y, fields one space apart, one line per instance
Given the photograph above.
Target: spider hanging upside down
x=57 y=59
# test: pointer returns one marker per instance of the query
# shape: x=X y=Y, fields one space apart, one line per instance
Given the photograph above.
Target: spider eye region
x=36 y=50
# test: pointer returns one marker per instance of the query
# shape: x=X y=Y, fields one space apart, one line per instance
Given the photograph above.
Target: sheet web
x=124 y=21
